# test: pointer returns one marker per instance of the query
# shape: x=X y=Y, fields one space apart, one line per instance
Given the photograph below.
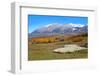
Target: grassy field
x=43 y=50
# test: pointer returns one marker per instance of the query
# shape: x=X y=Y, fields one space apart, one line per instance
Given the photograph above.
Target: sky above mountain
x=38 y=21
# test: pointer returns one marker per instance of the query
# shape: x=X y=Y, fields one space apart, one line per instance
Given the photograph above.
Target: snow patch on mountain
x=76 y=25
x=53 y=25
x=65 y=25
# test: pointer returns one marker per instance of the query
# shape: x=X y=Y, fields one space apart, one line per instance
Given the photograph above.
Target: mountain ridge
x=56 y=29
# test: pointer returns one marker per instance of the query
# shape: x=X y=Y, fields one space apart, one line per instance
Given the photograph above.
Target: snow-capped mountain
x=56 y=28
x=76 y=25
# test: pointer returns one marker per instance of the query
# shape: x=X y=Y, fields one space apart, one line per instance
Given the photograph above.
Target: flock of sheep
x=69 y=48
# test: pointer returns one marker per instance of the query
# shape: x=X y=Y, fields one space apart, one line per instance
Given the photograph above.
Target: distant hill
x=57 y=29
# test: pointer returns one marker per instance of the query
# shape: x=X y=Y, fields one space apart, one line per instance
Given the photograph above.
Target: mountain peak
x=76 y=25
x=53 y=24
x=56 y=28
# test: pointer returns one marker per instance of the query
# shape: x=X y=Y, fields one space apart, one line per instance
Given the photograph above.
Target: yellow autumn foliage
x=44 y=40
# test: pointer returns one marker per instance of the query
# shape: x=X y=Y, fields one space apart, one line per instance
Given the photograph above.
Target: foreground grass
x=42 y=49
x=45 y=52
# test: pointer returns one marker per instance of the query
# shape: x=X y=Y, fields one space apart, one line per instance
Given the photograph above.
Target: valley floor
x=45 y=52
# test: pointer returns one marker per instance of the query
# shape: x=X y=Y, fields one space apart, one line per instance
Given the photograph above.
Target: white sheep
x=69 y=48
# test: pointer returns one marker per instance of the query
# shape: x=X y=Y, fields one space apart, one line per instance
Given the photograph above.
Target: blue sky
x=37 y=21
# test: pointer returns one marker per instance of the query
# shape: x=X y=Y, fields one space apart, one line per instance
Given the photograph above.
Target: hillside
x=59 y=29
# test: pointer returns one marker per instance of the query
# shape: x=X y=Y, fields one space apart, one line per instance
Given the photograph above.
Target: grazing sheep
x=69 y=48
